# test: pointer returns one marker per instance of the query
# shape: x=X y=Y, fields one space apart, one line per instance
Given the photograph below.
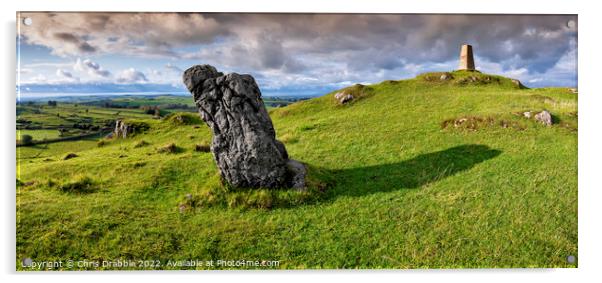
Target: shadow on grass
x=408 y=174
x=327 y=184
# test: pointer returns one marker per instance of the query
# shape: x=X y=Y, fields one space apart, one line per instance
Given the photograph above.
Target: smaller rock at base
x=297 y=173
x=544 y=117
x=527 y=114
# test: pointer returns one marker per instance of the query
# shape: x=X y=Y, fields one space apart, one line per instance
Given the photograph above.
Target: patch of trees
x=176 y=106
x=276 y=104
x=84 y=126
x=147 y=109
x=111 y=104
x=26 y=139
x=23 y=121
x=151 y=110
x=52 y=103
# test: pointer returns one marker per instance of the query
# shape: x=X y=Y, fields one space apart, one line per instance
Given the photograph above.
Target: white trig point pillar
x=466 y=59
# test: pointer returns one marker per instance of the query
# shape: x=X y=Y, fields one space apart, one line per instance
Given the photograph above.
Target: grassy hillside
x=398 y=181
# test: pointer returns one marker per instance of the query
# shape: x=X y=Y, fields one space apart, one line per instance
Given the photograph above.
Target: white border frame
x=590 y=190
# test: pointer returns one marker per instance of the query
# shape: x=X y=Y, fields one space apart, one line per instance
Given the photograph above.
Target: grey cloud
x=278 y=39
x=352 y=45
x=66 y=37
x=91 y=68
x=389 y=41
x=173 y=67
x=69 y=38
x=63 y=73
x=86 y=48
x=131 y=75
x=65 y=76
x=110 y=33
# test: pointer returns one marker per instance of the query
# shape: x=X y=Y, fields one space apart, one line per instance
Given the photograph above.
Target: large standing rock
x=244 y=144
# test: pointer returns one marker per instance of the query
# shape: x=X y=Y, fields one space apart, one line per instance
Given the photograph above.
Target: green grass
x=39 y=134
x=399 y=191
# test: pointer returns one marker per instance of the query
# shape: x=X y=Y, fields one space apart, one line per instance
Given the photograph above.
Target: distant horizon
x=311 y=92
x=53 y=95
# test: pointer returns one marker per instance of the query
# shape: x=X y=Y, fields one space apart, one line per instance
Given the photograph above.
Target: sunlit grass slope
x=393 y=185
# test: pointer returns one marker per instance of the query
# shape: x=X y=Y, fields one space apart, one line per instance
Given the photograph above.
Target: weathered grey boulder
x=244 y=145
x=544 y=117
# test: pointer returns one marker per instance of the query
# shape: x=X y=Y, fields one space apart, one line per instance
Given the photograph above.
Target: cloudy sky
x=288 y=54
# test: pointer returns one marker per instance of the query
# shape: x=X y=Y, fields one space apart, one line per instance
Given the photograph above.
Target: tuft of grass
x=289 y=138
x=169 y=148
x=202 y=147
x=101 y=143
x=79 y=184
x=307 y=127
x=217 y=193
x=475 y=123
x=440 y=77
x=70 y=156
x=468 y=78
x=183 y=119
x=141 y=143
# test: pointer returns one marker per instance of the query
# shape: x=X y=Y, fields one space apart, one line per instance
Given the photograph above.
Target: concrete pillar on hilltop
x=466 y=58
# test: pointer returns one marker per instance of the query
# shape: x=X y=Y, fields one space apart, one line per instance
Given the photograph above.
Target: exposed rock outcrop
x=244 y=145
x=445 y=77
x=124 y=129
x=343 y=97
x=518 y=84
x=352 y=93
x=544 y=117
